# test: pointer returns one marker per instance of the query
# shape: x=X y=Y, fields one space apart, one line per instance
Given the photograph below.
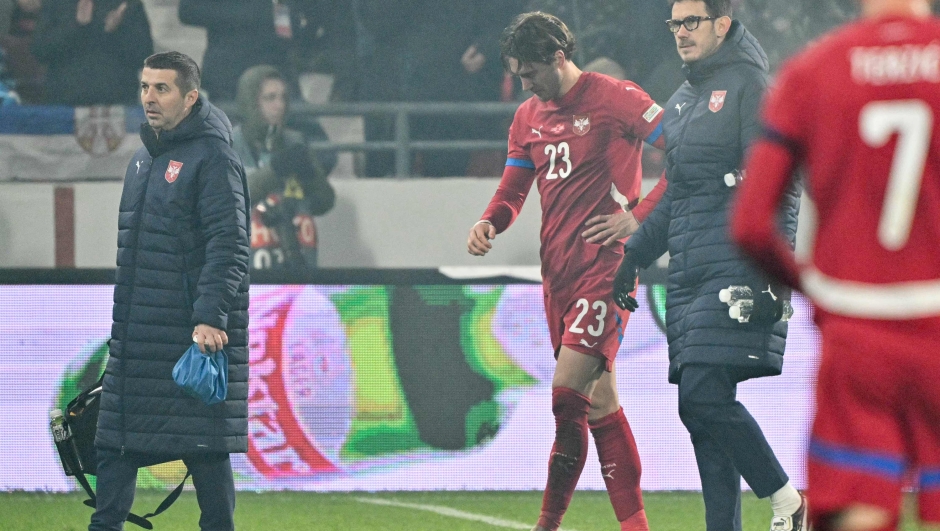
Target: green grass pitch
x=388 y=511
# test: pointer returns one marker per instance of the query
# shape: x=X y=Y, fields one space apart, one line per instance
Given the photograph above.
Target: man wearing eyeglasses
x=869 y=141
x=708 y=124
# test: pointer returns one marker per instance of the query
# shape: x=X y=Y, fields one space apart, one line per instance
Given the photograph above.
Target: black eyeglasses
x=691 y=23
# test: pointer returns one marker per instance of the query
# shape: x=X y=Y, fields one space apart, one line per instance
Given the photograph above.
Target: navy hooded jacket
x=708 y=124
x=183 y=242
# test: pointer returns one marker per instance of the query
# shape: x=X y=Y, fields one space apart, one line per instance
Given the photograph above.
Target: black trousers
x=728 y=444
x=117 y=479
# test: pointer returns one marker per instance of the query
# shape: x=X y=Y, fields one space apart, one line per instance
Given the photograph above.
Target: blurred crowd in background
x=88 y=52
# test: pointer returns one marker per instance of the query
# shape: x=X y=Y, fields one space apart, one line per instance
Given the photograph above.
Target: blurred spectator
x=23 y=71
x=286 y=185
x=630 y=32
x=7 y=95
x=245 y=33
x=93 y=49
x=400 y=50
x=6 y=15
x=454 y=56
x=785 y=27
x=421 y=50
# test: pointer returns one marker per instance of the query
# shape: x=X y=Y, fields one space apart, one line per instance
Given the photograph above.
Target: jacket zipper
x=133 y=280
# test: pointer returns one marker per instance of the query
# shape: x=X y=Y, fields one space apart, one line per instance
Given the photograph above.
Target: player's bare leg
x=858 y=517
x=617 y=452
x=576 y=376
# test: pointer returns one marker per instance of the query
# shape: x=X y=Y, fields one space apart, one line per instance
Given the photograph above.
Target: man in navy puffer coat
x=708 y=125
x=182 y=276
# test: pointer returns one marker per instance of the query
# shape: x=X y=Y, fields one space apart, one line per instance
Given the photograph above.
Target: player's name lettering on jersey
x=896 y=65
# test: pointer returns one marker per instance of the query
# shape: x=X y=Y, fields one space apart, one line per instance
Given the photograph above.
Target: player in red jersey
x=861 y=111
x=581 y=137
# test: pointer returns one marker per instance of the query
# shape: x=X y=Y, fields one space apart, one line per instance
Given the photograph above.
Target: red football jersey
x=862 y=108
x=585 y=150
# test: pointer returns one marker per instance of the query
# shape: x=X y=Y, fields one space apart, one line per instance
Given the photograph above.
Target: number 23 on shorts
x=598 y=311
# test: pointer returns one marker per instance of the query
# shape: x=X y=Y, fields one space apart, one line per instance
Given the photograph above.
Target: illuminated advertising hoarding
x=380 y=387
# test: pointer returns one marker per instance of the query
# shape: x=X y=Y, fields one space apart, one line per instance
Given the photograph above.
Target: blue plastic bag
x=203 y=376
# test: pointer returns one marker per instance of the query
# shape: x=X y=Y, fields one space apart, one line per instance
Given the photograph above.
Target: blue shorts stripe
x=654 y=136
x=619 y=328
x=861 y=461
x=521 y=163
x=929 y=479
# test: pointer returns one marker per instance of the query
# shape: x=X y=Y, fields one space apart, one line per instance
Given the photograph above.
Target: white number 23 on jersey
x=562 y=152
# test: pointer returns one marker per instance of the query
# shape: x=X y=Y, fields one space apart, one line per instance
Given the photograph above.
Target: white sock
x=785 y=501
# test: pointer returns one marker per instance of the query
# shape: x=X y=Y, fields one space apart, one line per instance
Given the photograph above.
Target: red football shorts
x=877 y=426
x=582 y=315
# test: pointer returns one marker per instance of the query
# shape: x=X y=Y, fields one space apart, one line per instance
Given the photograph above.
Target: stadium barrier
x=57 y=143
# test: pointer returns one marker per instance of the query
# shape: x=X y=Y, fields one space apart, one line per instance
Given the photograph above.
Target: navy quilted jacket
x=183 y=241
x=709 y=123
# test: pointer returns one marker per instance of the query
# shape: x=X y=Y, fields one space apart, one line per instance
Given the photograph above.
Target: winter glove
x=768 y=306
x=625 y=283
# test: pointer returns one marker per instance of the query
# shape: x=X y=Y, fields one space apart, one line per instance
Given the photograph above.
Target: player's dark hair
x=188 y=77
x=714 y=8
x=534 y=38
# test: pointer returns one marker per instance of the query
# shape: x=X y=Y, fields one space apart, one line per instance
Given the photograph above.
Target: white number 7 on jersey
x=913 y=121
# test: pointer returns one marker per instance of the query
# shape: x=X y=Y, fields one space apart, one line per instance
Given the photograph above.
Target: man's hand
x=114 y=18
x=472 y=60
x=478 y=243
x=609 y=230
x=625 y=283
x=83 y=12
x=209 y=338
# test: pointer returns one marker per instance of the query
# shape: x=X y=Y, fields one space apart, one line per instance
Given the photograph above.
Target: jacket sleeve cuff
x=213 y=320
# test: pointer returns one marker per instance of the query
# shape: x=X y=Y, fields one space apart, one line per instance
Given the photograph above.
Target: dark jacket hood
x=205 y=120
x=740 y=46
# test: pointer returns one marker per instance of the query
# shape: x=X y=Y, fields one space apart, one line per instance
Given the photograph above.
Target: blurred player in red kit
x=860 y=111
x=581 y=138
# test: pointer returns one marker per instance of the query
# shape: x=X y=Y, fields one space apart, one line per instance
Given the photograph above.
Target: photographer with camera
x=287 y=185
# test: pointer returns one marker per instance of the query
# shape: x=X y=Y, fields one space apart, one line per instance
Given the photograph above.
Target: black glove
x=292 y=160
x=768 y=306
x=625 y=283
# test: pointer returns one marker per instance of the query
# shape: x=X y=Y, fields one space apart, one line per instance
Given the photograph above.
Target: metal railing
x=402 y=144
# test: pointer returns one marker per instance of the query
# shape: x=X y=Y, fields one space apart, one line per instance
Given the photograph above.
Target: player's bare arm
x=478 y=243
x=610 y=230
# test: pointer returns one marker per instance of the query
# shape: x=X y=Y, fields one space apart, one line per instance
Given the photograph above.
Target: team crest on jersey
x=582 y=124
x=717 y=100
x=173 y=171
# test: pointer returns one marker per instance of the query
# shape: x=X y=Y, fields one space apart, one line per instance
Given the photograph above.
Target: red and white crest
x=717 y=100
x=173 y=171
x=582 y=124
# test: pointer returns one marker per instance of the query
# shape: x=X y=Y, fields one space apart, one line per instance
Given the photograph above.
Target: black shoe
x=794 y=522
